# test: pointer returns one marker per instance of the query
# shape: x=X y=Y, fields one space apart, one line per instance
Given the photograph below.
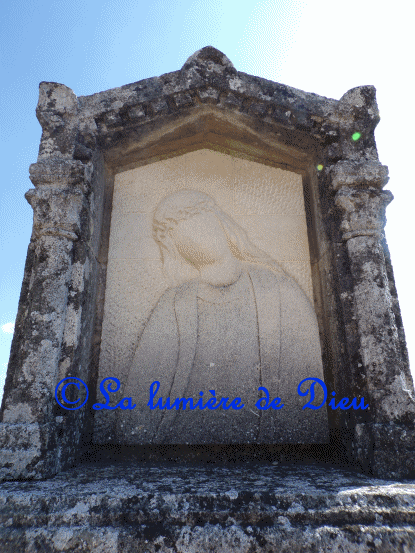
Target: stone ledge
x=189 y=507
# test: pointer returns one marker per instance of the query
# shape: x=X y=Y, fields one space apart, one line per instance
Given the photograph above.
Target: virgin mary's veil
x=185 y=204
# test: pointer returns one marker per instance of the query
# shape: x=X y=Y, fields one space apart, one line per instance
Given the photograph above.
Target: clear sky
x=319 y=46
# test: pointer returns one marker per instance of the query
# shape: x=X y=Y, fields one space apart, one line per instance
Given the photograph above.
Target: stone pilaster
x=49 y=323
x=389 y=425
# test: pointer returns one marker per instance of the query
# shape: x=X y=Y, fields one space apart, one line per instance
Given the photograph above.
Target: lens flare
x=356 y=136
x=319 y=167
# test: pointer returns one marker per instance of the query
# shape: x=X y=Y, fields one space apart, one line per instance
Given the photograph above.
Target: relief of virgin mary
x=238 y=322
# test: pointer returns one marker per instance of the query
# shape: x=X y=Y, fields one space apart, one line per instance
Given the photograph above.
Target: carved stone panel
x=209 y=288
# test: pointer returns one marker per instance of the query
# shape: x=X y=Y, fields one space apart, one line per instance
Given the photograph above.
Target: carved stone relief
x=214 y=311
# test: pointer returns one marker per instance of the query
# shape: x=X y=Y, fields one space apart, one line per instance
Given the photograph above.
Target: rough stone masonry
x=207 y=104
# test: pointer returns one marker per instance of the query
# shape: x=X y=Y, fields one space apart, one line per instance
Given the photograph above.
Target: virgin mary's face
x=201 y=240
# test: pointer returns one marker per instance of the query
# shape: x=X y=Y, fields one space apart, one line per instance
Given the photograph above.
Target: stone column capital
x=60 y=173
x=56 y=212
x=60 y=195
x=363 y=211
x=358 y=174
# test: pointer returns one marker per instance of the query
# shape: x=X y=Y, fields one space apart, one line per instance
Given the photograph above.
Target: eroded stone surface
x=199 y=508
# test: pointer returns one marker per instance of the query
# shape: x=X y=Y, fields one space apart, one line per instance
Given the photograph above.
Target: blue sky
x=316 y=45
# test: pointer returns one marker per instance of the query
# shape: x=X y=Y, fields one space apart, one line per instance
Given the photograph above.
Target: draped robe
x=260 y=331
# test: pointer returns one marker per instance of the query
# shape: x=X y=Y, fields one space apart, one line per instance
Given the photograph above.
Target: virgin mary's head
x=209 y=234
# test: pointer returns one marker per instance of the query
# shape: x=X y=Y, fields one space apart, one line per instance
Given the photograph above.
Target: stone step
x=171 y=507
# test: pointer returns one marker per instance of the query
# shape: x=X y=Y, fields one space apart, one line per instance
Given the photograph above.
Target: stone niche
x=290 y=184
x=268 y=204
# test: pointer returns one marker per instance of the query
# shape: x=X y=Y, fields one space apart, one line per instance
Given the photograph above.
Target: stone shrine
x=222 y=236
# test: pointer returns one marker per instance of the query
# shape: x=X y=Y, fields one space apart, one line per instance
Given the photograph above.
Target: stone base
x=168 y=507
x=386 y=450
x=26 y=452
